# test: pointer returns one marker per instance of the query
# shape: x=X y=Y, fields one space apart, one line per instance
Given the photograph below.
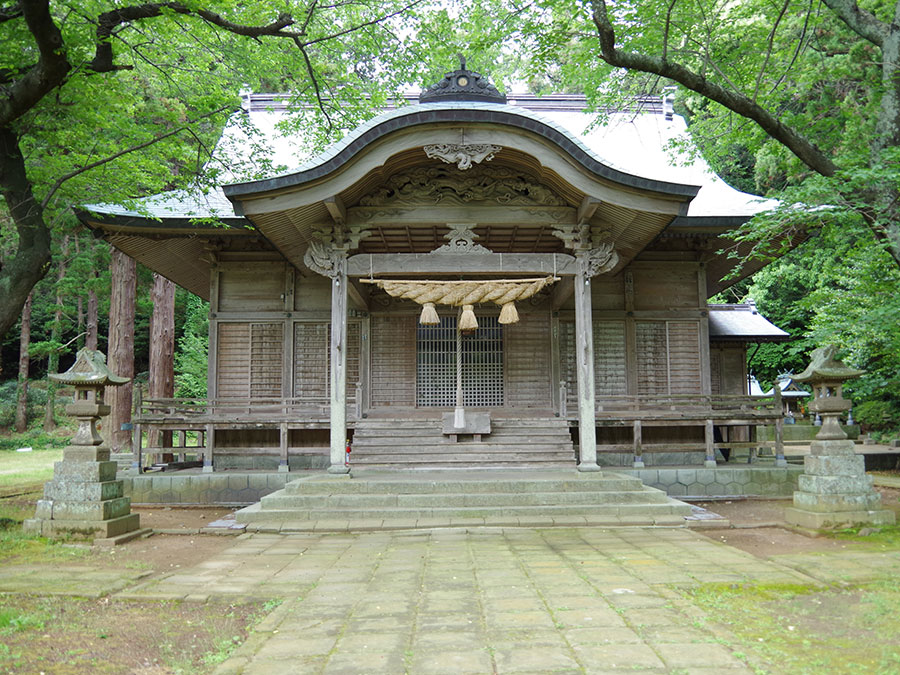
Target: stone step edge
x=316 y=488
x=445 y=500
x=248 y=516
x=458 y=524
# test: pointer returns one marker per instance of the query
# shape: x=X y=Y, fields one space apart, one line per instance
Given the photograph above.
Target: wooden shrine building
x=463 y=280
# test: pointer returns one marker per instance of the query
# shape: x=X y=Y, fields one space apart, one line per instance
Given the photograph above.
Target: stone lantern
x=84 y=498
x=827 y=375
x=834 y=488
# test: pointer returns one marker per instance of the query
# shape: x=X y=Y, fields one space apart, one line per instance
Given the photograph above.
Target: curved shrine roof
x=473 y=112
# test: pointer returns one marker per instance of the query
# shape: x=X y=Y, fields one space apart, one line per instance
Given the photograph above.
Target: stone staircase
x=370 y=499
x=420 y=443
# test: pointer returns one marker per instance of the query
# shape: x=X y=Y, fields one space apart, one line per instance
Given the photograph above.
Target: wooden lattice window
x=668 y=357
x=312 y=360
x=482 y=364
x=609 y=359
x=250 y=358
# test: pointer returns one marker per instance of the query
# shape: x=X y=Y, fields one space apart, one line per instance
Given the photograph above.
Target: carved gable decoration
x=485 y=185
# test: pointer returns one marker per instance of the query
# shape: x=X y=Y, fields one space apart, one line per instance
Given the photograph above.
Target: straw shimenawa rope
x=465 y=294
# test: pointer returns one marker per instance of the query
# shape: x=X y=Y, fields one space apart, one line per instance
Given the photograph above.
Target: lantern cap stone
x=89 y=369
x=824 y=366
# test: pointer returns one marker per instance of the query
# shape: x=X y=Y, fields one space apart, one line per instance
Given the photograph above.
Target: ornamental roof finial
x=462 y=85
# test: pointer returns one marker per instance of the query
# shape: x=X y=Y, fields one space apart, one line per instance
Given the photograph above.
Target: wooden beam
x=442 y=214
x=377 y=264
x=587 y=209
x=562 y=291
x=336 y=208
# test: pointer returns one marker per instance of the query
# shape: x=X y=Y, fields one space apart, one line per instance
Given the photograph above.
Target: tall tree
x=24 y=361
x=108 y=101
x=56 y=337
x=809 y=93
x=123 y=273
x=162 y=347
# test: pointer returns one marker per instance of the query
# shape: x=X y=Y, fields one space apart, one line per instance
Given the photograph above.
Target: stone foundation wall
x=240 y=488
x=229 y=488
x=721 y=481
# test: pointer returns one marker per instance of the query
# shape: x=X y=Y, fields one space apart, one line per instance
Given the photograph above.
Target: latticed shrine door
x=482 y=364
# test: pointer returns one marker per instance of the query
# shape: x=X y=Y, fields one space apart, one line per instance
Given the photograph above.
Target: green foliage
x=35 y=438
x=878 y=415
x=191 y=356
x=36 y=400
x=839 y=287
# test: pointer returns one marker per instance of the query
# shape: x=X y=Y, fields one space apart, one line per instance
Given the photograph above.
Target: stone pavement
x=61 y=579
x=580 y=600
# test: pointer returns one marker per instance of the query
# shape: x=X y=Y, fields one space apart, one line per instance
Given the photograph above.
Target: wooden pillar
x=283 y=437
x=584 y=356
x=364 y=367
x=137 y=438
x=638 y=445
x=136 y=458
x=555 y=394
x=208 y=449
x=779 y=429
x=709 y=438
x=338 y=365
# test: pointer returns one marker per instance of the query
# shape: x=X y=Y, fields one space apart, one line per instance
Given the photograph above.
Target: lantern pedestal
x=84 y=499
x=834 y=490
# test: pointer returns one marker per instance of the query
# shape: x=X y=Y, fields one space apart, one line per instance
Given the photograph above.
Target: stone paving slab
x=579 y=600
x=72 y=580
x=494 y=600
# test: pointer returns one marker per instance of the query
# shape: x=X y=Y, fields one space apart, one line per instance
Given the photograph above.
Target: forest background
x=797 y=100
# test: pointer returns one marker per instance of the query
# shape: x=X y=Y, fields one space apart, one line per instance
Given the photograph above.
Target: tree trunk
x=79 y=328
x=123 y=272
x=55 y=338
x=162 y=350
x=22 y=271
x=93 y=317
x=24 y=362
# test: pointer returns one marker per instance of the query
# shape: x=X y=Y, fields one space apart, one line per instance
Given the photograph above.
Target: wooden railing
x=703 y=410
x=185 y=429
x=689 y=406
x=229 y=409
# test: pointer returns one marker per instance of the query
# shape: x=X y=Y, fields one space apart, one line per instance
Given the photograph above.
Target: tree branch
x=365 y=24
x=50 y=70
x=315 y=82
x=10 y=12
x=109 y=21
x=860 y=21
x=805 y=150
x=769 y=47
x=127 y=151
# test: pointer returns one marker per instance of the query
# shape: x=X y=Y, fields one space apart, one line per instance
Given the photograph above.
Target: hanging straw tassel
x=467 y=320
x=429 y=315
x=509 y=314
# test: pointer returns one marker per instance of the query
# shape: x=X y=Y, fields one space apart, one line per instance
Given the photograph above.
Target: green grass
x=800 y=630
x=880 y=536
x=22 y=475
x=26 y=469
x=16 y=620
